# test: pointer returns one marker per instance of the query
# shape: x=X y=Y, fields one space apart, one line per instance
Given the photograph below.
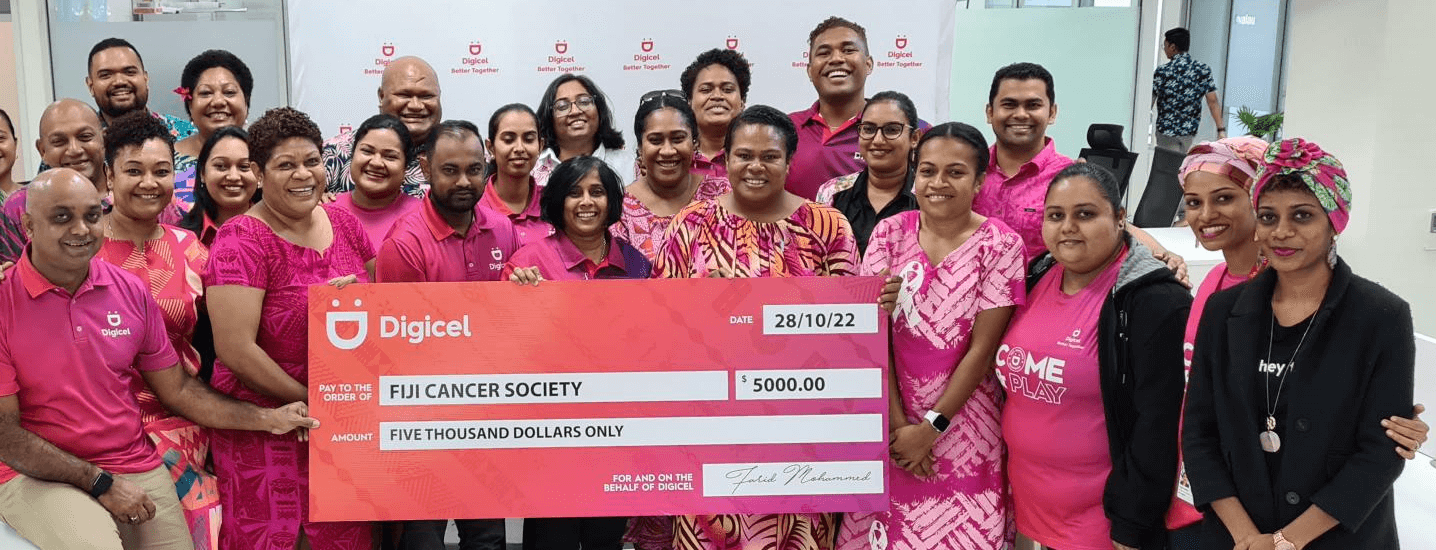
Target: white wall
x=485 y=61
x=32 y=60
x=167 y=46
x=9 y=91
x=1359 y=74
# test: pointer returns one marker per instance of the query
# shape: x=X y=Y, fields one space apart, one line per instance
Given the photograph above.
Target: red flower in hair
x=183 y=93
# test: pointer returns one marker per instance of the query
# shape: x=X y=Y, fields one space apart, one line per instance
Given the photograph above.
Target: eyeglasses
x=655 y=94
x=584 y=102
x=891 y=130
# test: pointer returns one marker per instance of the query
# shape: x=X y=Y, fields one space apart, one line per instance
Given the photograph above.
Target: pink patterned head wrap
x=1235 y=158
x=1321 y=172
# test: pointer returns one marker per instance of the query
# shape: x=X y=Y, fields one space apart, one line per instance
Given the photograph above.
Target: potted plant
x=1261 y=126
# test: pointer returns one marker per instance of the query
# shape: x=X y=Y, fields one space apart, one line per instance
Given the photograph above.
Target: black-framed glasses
x=655 y=94
x=584 y=102
x=891 y=130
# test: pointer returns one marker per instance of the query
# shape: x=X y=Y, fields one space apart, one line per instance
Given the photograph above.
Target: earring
x=1331 y=254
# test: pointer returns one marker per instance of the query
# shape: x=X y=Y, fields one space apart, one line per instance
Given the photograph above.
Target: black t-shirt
x=1271 y=371
x=853 y=203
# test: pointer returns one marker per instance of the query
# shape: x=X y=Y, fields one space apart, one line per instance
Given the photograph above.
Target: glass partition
x=167 y=34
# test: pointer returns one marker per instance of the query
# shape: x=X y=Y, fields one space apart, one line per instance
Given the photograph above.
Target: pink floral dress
x=173 y=266
x=814 y=241
x=264 y=478
x=644 y=230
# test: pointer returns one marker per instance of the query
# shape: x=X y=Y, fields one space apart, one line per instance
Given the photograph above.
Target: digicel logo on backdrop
x=415 y=331
x=386 y=56
x=561 y=63
x=732 y=44
x=899 y=58
x=647 y=61
x=472 y=64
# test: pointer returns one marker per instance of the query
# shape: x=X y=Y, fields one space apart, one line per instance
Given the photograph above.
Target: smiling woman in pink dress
x=667 y=134
x=962 y=278
x=140 y=160
x=757 y=230
x=260 y=270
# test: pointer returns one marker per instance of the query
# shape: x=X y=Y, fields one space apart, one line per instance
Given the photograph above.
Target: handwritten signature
x=792 y=474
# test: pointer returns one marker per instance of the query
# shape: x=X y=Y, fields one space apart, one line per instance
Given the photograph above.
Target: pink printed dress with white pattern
x=964 y=505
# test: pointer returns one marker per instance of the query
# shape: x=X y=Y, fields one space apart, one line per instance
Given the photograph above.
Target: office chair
x=1163 y=195
x=1106 y=149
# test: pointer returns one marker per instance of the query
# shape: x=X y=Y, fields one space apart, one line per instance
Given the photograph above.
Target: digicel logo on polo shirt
x=415 y=331
x=113 y=318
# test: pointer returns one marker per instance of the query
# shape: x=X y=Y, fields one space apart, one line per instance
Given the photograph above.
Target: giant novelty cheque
x=597 y=398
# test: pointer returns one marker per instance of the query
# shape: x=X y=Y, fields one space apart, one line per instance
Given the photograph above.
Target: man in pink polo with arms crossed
x=76 y=468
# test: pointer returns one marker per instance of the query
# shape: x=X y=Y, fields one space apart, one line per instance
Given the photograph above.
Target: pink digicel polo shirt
x=529 y=224
x=558 y=259
x=421 y=247
x=716 y=166
x=76 y=394
x=822 y=153
x=1018 y=199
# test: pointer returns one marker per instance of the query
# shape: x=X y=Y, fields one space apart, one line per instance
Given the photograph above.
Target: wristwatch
x=1281 y=543
x=938 y=421
x=102 y=484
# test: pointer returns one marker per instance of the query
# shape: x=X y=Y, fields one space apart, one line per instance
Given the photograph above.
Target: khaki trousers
x=58 y=516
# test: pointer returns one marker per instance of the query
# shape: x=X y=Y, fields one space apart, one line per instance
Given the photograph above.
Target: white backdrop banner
x=490 y=53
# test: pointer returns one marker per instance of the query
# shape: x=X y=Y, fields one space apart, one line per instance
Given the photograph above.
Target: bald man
x=76 y=467
x=70 y=137
x=409 y=90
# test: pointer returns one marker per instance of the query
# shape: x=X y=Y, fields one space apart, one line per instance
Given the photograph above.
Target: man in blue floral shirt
x=119 y=83
x=1178 y=88
x=409 y=90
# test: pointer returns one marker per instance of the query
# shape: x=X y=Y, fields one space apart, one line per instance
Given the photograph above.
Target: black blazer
x=1356 y=368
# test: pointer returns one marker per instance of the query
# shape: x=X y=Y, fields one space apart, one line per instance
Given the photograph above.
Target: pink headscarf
x=1321 y=172
x=1235 y=158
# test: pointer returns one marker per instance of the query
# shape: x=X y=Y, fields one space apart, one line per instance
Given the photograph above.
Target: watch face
x=940 y=423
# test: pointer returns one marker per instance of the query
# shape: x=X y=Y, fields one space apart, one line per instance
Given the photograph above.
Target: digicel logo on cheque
x=415 y=331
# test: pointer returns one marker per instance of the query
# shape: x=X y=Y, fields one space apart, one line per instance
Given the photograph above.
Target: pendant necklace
x=1270 y=441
